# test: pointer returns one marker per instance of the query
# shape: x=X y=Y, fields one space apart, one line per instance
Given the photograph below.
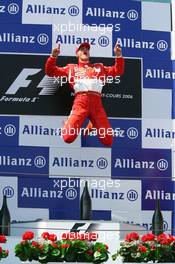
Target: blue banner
x=9 y=130
x=145 y=43
x=173 y=95
x=29 y=160
x=141 y=163
x=162 y=189
x=26 y=38
x=125 y=133
x=10 y=11
x=158 y=74
x=60 y=194
x=126 y=14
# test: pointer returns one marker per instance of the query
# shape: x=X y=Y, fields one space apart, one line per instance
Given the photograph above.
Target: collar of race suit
x=83 y=64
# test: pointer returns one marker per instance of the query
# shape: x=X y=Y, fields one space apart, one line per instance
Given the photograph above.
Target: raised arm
x=118 y=68
x=50 y=67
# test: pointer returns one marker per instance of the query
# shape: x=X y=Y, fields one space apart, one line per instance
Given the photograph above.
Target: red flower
x=54 y=245
x=164 y=242
x=2 y=239
x=161 y=237
x=106 y=246
x=34 y=244
x=99 y=250
x=132 y=236
x=65 y=245
x=164 y=239
x=41 y=246
x=142 y=248
x=45 y=235
x=171 y=238
x=0 y=249
x=52 y=237
x=148 y=237
x=89 y=252
x=153 y=248
x=28 y=235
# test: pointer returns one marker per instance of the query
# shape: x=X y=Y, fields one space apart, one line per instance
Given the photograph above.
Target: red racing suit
x=87 y=81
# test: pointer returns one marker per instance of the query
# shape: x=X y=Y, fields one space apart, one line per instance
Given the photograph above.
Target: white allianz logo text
x=70 y=162
x=161 y=164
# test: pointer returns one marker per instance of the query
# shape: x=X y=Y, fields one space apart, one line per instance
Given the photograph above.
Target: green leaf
x=55 y=252
x=42 y=257
x=70 y=257
x=97 y=254
x=22 y=257
x=46 y=249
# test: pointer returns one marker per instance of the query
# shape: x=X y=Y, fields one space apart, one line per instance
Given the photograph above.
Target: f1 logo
x=22 y=81
x=86 y=227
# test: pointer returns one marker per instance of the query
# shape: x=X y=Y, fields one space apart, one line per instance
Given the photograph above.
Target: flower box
x=71 y=248
x=148 y=248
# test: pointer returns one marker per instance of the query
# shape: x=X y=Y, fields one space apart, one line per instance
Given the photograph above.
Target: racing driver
x=87 y=81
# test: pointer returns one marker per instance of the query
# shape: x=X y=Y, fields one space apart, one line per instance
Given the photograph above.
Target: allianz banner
x=10 y=11
x=25 y=89
x=24 y=160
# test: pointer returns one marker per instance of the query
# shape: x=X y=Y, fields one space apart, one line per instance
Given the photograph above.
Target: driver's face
x=83 y=54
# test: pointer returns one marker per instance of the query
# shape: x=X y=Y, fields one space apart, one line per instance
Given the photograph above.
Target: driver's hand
x=56 y=51
x=118 y=50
